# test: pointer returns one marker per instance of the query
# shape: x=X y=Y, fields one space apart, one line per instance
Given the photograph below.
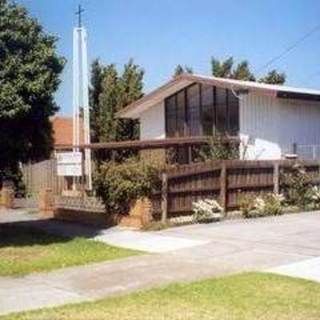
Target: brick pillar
x=140 y=214
x=147 y=211
x=7 y=197
x=46 y=203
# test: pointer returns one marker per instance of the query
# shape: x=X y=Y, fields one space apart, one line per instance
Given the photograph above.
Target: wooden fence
x=222 y=180
x=42 y=175
x=184 y=184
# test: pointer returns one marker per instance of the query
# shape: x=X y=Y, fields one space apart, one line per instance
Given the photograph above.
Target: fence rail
x=223 y=180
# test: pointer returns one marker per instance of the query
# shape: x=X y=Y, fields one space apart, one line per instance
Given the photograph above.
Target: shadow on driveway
x=42 y=231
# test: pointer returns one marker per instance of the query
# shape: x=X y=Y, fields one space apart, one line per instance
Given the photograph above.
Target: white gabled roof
x=156 y=96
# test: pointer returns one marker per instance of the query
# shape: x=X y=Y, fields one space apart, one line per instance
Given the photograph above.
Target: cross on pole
x=79 y=14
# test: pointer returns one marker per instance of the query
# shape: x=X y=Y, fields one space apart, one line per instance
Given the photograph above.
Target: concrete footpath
x=179 y=254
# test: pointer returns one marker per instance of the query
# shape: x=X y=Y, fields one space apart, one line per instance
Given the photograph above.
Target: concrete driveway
x=282 y=244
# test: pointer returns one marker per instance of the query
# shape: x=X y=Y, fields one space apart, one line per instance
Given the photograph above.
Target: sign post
x=69 y=164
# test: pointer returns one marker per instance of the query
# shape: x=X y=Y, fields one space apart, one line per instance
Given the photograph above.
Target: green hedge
x=118 y=184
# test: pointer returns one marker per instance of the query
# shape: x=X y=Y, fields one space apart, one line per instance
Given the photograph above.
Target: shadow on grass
x=42 y=232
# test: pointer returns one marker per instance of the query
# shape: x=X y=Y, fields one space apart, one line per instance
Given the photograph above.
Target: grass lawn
x=24 y=250
x=249 y=296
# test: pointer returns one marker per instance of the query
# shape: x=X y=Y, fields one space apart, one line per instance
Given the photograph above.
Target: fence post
x=276 y=178
x=223 y=187
x=164 y=198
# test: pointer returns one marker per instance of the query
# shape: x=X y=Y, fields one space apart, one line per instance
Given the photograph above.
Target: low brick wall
x=89 y=212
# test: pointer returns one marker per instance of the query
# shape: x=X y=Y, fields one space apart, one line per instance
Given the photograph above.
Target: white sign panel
x=69 y=164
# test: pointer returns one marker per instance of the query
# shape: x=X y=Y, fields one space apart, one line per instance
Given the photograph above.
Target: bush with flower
x=314 y=196
x=296 y=184
x=207 y=210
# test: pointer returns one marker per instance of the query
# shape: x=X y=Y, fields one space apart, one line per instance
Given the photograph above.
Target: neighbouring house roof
x=63 y=130
x=156 y=96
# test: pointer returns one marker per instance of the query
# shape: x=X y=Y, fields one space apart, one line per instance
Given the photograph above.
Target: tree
x=242 y=72
x=29 y=76
x=106 y=123
x=180 y=70
x=222 y=69
x=226 y=69
x=97 y=74
x=274 y=77
x=130 y=90
x=109 y=93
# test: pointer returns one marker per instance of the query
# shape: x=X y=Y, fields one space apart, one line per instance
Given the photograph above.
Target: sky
x=160 y=34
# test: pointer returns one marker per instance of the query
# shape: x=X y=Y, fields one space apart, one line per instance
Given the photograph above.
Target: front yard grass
x=24 y=250
x=248 y=296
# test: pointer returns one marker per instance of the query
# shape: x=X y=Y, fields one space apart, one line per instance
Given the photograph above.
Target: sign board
x=69 y=164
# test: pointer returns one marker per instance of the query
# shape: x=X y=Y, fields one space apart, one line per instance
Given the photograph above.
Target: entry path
x=203 y=251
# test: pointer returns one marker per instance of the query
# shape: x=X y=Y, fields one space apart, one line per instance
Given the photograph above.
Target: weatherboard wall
x=270 y=126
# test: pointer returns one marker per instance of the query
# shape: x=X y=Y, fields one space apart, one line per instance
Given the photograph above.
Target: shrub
x=205 y=210
x=247 y=205
x=120 y=184
x=220 y=147
x=297 y=184
x=270 y=204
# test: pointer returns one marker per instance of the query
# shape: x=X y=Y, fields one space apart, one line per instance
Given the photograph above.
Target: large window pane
x=208 y=114
x=181 y=113
x=233 y=113
x=221 y=109
x=193 y=103
x=171 y=116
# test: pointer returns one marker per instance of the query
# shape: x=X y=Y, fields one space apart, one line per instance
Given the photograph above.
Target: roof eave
x=133 y=110
x=275 y=91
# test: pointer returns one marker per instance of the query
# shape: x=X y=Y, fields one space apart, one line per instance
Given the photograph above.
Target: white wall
x=152 y=123
x=272 y=125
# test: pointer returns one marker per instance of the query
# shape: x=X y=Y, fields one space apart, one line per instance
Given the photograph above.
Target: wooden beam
x=144 y=144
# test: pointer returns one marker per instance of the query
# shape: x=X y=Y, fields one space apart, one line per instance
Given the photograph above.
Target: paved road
x=205 y=251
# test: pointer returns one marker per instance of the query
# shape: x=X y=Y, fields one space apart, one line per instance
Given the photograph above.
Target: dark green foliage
x=119 y=184
x=110 y=92
x=108 y=101
x=13 y=174
x=297 y=185
x=180 y=70
x=242 y=72
x=29 y=76
x=97 y=72
x=274 y=77
x=227 y=69
x=130 y=90
x=222 y=69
